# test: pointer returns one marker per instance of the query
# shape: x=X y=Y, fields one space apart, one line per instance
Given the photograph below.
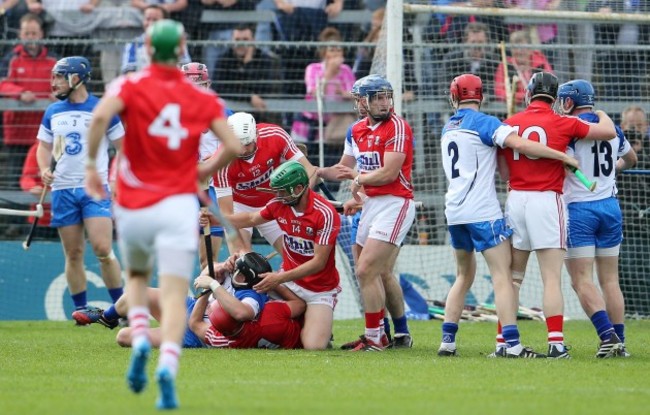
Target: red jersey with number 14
x=392 y=135
x=540 y=123
x=318 y=224
x=165 y=114
x=274 y=147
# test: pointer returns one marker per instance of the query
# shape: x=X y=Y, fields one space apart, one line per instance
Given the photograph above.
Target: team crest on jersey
x=453 y=124
x=241 y=174
x=299 y=245
x=310 y=231
x=269 y=162
x=370 y=160
x=252 y=184
x=282 y=220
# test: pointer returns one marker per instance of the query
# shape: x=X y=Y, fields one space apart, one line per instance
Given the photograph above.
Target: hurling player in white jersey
x=595 y=228
x=198 y=73
x=64 y=126
x=347 y=168
x=474 y=216
x=263 y=148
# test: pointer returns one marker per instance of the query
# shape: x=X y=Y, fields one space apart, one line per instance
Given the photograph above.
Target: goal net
x=439 y=43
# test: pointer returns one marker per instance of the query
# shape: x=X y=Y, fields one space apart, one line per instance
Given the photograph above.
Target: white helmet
x=244 y=126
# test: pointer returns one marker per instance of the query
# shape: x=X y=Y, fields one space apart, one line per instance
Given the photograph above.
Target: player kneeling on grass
x=244 y=319
x=310 y=225
x=474 y=216
x=595 y=226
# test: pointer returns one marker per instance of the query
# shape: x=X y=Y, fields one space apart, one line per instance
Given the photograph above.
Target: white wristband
x=214 y=285
x=91 y=163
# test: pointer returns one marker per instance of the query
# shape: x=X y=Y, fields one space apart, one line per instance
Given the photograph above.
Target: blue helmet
x=73 y=65
x=373 y=84
x=580 y=91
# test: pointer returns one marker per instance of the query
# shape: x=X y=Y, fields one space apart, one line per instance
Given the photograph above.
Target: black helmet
x=247 y=270
x=542 y=84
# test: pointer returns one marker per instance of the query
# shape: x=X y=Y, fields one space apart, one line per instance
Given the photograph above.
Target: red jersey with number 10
x=165 y=114
x=274 y=147
x=392 y=135
x=540 y=123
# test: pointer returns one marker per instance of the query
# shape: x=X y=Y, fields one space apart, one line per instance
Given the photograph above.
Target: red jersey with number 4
x=319 y=224
x=540 y=123
x=392 y=135
x=165 y=114
x=274 y=147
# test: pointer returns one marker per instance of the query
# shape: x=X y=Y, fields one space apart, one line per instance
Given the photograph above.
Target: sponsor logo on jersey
x=299 y=245
x=252 y=184
x=369 y=160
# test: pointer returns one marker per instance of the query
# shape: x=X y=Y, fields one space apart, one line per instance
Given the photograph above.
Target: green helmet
x=165 y=37
x=287 y=177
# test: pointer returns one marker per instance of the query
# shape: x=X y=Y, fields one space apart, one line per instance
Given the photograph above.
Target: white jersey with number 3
x=469 y=160
x=598 y=162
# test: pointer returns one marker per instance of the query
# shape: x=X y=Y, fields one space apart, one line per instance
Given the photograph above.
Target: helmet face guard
x=72 y=65
x=247 y=271
x=197 y=73
x=286 y=179
x=245 y=128
x=576 y=94
x=374 y=87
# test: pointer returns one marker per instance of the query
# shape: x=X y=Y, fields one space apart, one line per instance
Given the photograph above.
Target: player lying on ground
x=595 y=221
x=311 y=225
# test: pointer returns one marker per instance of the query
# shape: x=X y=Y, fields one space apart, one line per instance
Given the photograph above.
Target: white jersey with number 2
x=469 y=160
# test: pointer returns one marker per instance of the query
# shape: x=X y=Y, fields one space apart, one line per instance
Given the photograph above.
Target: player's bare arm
x=246 y=219
x=225 y=203
x=627 y=161
x=43 y=157
x=237 y=310
x=533 y=148
x=332 y=172
x=393 y=162
x=604 y=130
x=272 y=279
x=108 y=107
x=231 y=147
x=311 y=170
x=195 y=321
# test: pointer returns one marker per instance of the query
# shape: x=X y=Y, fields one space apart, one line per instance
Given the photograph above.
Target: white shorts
x=327 y=298
x=538 y=220
x=166 y=230
x=386 y=218
x=270 y=230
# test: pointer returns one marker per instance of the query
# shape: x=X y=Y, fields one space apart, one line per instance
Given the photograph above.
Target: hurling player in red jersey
x=535 y=209
x=385 y=144
x=157 y=184
x=310 y=225
x=263 y=148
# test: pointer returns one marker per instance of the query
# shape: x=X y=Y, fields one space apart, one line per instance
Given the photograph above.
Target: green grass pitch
x=56 y=368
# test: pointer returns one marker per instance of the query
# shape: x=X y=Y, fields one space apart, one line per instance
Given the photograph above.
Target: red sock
x=373 y=324
x=555 y=325
x=500 y=339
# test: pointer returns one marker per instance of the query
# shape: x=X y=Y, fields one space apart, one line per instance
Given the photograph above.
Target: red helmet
x=223 y=321
x=196 y=72
x=466 y=88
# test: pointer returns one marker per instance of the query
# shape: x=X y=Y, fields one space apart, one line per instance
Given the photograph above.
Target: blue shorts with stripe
x=72 y=206
x=479 y=236
x=597 y=223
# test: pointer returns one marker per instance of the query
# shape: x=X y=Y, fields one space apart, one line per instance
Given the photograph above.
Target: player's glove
x=248 y=269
